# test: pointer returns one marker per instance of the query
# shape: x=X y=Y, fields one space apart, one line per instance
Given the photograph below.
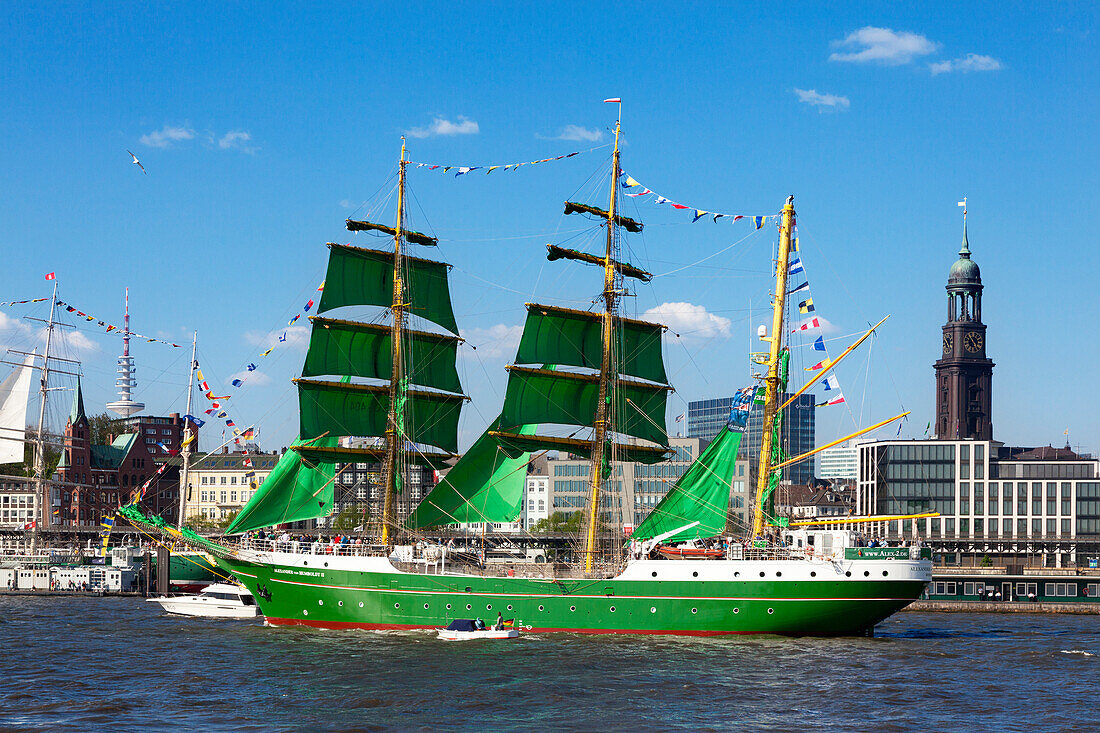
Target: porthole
x=339 y=603
x=866 y=573
x=425 y=606
x=488 y=606
x=509 y=606
x=397 y=605
x=542 y=608
x=771 y=610
x=695 y=574
x=695 y=610
x=761 y=573
x=305 y=562
x=468 y=606
x=305 y=612
x=572 y=608
x=737 y=574
x=320 y=602
x=779 y=575
x=360 y=604
x=653 y=609
x=813 y=573
x=448 y=606
x=612 y=609
x=654 y=573
x=326 y=564
x=885 y=573
x=848 y=573
x=736 y=611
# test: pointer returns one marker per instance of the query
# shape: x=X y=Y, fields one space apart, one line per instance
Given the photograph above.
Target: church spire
x=76 y=414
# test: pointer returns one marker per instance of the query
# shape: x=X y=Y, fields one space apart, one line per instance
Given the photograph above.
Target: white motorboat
x=217 y=600
x=466 y=630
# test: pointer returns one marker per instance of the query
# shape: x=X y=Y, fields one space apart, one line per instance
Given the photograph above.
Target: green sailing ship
x=598 y=380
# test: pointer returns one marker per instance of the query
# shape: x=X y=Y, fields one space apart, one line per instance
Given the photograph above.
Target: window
x=233 y=480
x=1052 y=527
x=233 y=496
x=165 y=431
x=1092 y=590
x=223 y=481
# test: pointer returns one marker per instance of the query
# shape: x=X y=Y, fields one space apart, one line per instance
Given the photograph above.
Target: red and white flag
x=807 y=325
x=836 y=400
x=51 y=276
x=613 y=100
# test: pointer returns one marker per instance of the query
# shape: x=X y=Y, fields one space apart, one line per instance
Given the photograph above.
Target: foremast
x=601 y=447
x=771 y=381
x=395 y=421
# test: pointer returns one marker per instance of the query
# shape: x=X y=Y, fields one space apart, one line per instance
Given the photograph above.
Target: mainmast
x=185 y=449
x=40 y=439
x=601 y=449
x=771 y=381
x=395 y=428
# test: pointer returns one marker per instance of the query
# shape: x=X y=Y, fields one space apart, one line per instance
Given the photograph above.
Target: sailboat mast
x=600 y=448
x=395 y=428
x=185 y=449
x=771 y=382
x=40 y=439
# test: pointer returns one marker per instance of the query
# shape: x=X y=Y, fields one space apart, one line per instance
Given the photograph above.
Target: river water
x=120 y=664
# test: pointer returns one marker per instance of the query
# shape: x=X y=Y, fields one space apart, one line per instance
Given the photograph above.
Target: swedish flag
x=806 y=306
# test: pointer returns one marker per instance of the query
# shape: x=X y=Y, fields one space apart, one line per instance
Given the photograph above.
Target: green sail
x=358 y=276
x=366 y=350
x=701 y=495
x=539 y=396
x=296 y=489
x=575 y=338
x=486 y=485
x=333 y=408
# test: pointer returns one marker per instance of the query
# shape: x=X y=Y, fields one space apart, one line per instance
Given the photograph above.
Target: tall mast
x=395 y=426
x=601 y=458
x=40 y=438
x=185 y=449
x=771 y=382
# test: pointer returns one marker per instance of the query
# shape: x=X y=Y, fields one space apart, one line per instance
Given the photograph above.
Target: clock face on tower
x=972 y=341
x=947 y=341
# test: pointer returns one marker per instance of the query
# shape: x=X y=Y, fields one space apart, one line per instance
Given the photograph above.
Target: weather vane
x=963 y=204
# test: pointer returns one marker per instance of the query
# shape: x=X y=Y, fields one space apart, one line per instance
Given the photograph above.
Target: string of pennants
x=21 y=302
x=461 y=170
x=629 y=182
x=811 y=323
x=111 y=328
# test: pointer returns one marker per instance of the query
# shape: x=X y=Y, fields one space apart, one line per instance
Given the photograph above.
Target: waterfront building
x=17 y=502
x=706 y=417
x=218 y=484
x=638 y=487
x=999 y=504
x=536 y=495
x=93 y=479
x=839 y=462
x=358 y=485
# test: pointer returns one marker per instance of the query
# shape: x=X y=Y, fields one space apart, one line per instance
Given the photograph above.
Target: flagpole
x=185 y=451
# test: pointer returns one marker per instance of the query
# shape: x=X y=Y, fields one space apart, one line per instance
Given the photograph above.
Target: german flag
x=509 y=623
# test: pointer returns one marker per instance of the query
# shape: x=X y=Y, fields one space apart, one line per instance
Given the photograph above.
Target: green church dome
x=965 y=270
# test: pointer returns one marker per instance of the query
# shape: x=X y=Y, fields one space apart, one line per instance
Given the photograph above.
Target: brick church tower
x=964 y=375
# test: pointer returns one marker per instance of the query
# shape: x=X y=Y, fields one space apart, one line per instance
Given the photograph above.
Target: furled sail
x=411 y=237
x=702 y=494
x=486 y=485
x=297 y=488
x=358 y=276
x=14 y=395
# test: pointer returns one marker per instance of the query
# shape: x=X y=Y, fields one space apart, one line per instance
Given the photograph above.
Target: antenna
x=125 y=382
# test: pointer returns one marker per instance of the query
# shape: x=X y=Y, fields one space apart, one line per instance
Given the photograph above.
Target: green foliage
x=99 y=429
x=987 y=561
x=569 y=522
x=228 y=520
x=351 y=517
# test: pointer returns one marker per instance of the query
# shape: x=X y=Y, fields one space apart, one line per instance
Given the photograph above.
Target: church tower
x=964 y=375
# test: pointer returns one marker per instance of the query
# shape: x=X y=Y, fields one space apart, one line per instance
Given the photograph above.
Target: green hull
x=377 y=598
x=190 y=572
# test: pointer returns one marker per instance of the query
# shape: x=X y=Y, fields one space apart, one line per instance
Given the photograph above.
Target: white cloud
x=238 y=140
x=970 y=62
x=882 y=46
x=575 y=132
x=495 y=342
x=167 y=135
x=442 y=126
x=822 y=101
x=297 y=337
x=256 y=379
x=9 y=324
x=72 y=341
x=689 y=320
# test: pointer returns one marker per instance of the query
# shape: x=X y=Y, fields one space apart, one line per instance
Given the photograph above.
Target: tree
x=26 y=468
x=351 y=517
x=567 y=522
x=228 y=520
x=99 y=429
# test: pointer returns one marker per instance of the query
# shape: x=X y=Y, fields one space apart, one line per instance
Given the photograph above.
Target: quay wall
x=1002 y=607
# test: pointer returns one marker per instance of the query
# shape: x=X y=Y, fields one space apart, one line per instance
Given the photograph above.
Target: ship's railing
x=308 y=547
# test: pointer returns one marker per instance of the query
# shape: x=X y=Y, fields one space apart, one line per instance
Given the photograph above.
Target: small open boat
x=689 y=553
x=465 y=630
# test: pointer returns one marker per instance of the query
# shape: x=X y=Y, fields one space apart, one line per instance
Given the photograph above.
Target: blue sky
x=262 y=127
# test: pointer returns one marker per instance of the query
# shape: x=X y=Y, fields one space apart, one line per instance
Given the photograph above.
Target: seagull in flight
x=138 y=163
